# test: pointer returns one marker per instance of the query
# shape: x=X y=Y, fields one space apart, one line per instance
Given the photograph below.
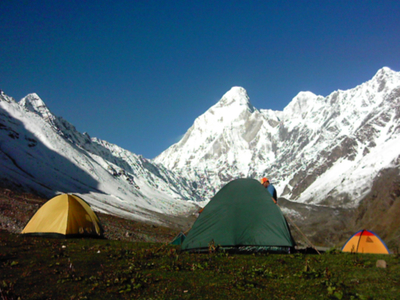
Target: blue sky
x=138 y=73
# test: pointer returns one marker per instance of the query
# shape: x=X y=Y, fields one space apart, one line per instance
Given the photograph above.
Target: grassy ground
x=40 y=268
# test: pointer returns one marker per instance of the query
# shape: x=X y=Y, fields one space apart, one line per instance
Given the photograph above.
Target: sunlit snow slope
x=321 y=150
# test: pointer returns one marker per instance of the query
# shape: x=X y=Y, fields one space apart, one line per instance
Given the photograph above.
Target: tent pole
x=359 y=239
x=291 y=221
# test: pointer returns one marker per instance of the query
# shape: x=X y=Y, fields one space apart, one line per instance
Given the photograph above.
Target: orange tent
x=365 y=241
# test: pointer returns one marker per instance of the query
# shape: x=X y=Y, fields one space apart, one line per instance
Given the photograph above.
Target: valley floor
x=109 y=269
x=17 y=208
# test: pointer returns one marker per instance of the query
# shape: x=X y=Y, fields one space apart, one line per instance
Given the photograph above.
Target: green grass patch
x=40 y=268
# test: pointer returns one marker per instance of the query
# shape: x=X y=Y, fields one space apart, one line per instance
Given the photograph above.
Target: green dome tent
x=241 y=216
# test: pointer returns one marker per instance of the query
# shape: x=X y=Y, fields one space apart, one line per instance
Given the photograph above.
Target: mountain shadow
x=27 y=164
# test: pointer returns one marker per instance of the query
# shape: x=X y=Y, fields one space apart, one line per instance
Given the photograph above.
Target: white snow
x=234 y=139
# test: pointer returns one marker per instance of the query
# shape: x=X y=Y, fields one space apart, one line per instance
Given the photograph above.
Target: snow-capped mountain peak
x=385 y=71
x=300 y=104
x=35 y=104
x=231 y=122
x=236 y=96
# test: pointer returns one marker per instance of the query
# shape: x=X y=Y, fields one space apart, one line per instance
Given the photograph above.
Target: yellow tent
x=65 y=215
x=365 y=241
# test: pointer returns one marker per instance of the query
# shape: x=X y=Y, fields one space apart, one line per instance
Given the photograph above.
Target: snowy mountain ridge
x=46 y=154
x=320 y=150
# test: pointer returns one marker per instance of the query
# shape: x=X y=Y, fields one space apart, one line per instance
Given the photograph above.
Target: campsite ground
x=41 y=268
x=136 y=262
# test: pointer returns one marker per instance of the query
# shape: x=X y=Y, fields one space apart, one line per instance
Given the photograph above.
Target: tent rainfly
x=64 y=216
x=241 y=217
x=178 y=240
x=365 y=241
